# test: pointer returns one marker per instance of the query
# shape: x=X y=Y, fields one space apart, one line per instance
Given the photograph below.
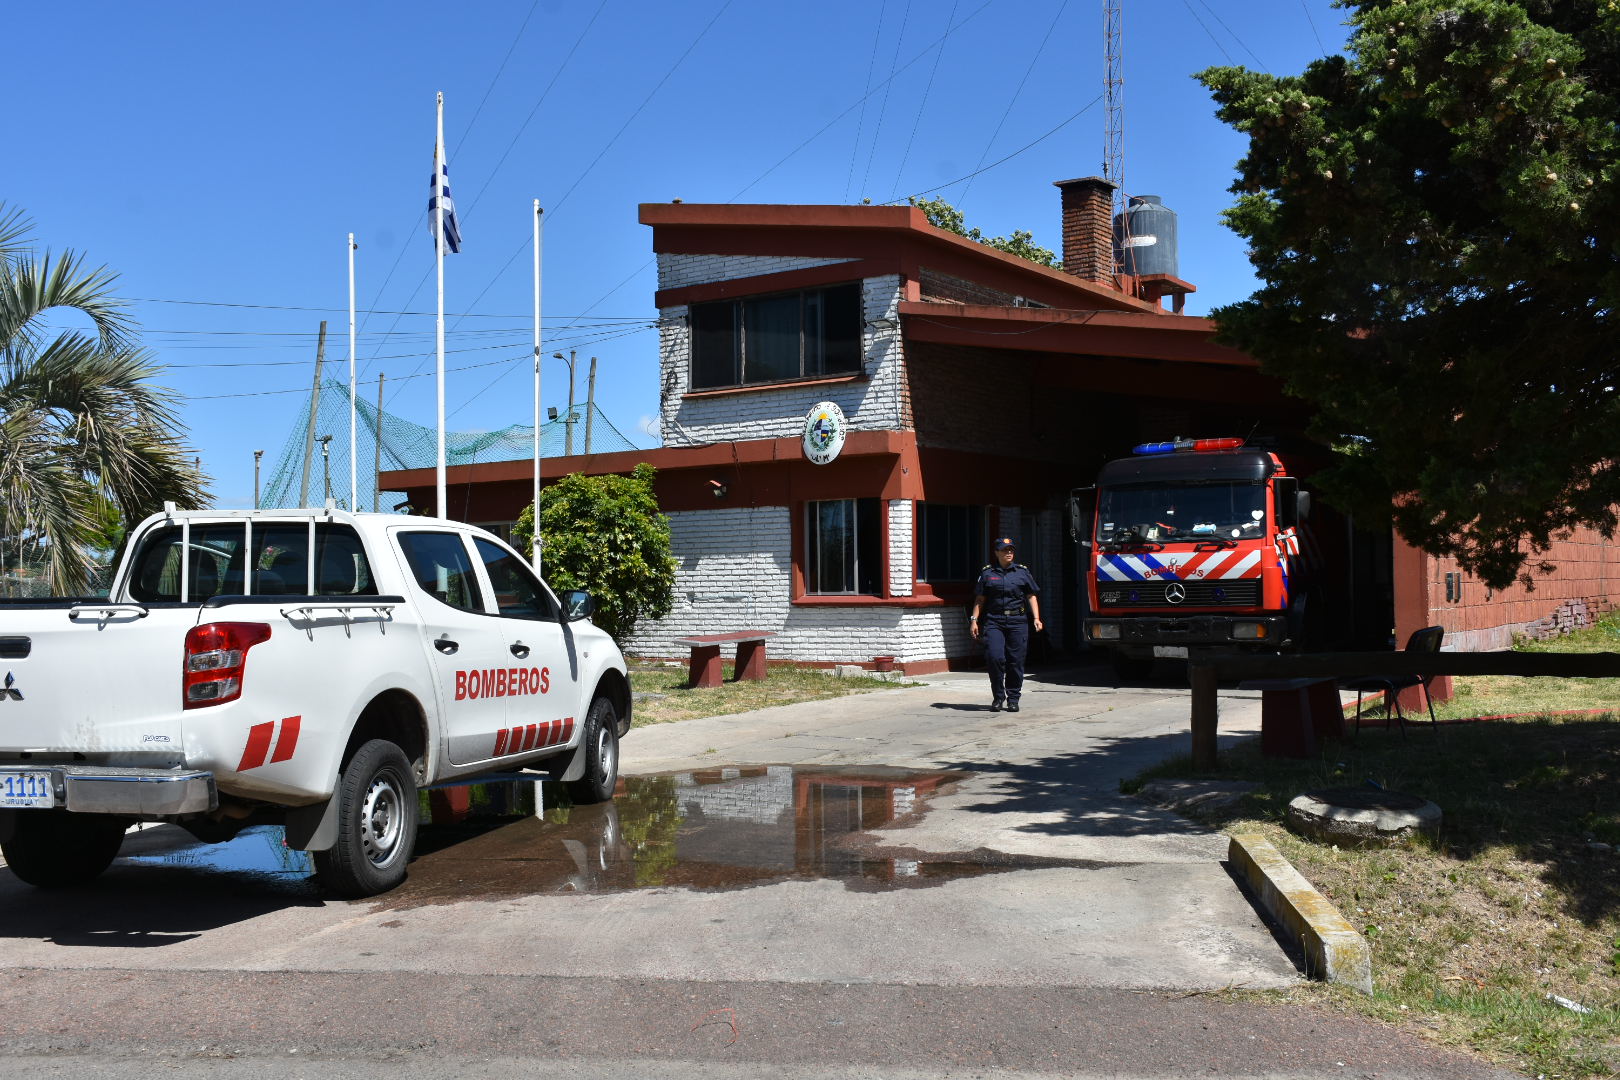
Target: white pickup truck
x=311 y=668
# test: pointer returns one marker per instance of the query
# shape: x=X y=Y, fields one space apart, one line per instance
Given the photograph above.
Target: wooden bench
x=704 y=670
x=1296 y=714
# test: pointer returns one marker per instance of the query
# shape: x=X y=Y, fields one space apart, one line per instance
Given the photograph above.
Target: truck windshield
x=1160 y=513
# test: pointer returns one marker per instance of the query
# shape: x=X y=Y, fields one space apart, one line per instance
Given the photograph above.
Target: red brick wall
x=1584 y=583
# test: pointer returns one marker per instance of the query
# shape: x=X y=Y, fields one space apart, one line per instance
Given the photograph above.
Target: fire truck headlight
x=1248 y=631
x=1106 y=631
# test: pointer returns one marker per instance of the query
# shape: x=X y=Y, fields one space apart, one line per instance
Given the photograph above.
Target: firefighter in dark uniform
x=1004 y=600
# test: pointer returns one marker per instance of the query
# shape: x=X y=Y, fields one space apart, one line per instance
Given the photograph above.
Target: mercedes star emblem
x=1175 y=592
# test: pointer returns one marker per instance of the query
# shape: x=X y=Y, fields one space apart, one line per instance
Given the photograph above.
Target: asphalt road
x=1018 y=916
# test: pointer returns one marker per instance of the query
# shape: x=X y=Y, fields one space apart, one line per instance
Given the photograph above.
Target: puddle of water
x=514 y=835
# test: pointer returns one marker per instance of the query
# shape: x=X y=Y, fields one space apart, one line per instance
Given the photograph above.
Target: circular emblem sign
x=824 y=430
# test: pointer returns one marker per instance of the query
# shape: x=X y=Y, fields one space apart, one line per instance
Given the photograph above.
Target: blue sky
x=217 y=155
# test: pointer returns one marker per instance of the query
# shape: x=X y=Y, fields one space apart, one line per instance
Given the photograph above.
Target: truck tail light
x=216 y=654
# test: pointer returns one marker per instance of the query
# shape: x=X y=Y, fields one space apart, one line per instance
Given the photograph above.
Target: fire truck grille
x=1244 y=593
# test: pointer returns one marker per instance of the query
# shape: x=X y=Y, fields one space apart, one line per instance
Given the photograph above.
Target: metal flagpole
x=438 y=248
x=354 y=488
x=538 y=214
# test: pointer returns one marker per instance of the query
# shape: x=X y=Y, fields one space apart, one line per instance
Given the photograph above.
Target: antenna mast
x=1114 y=99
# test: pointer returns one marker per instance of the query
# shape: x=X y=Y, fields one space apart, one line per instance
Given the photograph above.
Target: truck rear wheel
x=53 y=849
x=377 y=816
x=601 y=755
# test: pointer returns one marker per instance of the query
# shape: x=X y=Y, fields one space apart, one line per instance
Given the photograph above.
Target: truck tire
x=53 y=849
x=601 y=755
x=377 y=816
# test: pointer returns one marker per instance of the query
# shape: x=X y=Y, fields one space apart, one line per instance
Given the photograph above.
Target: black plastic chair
x=1426 y=640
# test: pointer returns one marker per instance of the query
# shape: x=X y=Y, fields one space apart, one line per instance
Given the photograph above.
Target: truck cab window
x=518 y=593
x=441 y=568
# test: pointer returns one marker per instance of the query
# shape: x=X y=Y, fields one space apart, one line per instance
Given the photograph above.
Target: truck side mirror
x=1285 y=490
x=577 y=604
x=1082 y=514
x=1304 y=505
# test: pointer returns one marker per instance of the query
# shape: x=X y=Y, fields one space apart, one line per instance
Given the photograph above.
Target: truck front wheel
x=601 y=755
x=377 y=817
x=54 y=849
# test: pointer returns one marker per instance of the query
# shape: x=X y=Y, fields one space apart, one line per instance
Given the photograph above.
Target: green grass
x=782 y=685
x=1517 y=897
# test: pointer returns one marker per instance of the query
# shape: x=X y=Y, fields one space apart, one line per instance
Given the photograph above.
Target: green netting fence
x=301 y=478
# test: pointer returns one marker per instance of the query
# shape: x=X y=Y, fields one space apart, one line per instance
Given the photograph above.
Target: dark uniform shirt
x=1004 y=591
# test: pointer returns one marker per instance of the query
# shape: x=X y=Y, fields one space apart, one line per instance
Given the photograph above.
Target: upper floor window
x=761 y=339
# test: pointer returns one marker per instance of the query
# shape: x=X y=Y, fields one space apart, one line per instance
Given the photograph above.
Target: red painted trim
x=900 y=236
x=750 y=388
x=843 y=600
x=851 y=272
x=1154 y=335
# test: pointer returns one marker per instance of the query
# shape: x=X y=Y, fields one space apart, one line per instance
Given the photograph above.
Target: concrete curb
x=1334 y=951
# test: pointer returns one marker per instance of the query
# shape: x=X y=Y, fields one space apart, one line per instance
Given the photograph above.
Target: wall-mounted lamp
x=551 y=412
x=881 y=323
x=718 y=488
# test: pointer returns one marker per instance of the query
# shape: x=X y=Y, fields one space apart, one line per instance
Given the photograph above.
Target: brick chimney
x=1088 y=228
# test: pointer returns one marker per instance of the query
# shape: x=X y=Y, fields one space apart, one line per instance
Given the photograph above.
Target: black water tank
x=1145 y=237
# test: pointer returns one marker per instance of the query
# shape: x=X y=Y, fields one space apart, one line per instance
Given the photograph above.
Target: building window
x=844 y=552
x=950 y=542
x=762 y=339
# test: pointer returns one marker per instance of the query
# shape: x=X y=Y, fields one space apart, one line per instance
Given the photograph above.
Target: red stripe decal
x=528 y=737
x=568 y=729
x=258 y=745
x=500 y=742
x=548 y=733
x=288 y=742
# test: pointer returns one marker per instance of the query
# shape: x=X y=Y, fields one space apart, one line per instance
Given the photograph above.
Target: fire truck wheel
x=377 y=817
x=1132 y=669
x=601 y=755
x=53 y=849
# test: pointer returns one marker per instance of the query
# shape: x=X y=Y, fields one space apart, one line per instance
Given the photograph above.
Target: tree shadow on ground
x=1082 y=789
x=1548 y=791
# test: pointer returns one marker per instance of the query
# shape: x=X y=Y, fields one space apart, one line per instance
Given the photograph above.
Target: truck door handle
x=520 y=650
x=446 y=646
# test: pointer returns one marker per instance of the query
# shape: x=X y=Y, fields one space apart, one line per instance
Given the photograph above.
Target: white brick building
x=977 y=388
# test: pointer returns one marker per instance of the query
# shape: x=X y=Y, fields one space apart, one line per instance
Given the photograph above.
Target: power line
x=1000 y=161
x=824 y=128
x=962 y=199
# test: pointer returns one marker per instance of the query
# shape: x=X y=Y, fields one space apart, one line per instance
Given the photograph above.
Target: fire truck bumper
x=1151 y=635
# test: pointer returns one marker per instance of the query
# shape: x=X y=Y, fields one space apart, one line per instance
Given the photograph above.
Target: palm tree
x=82 y=426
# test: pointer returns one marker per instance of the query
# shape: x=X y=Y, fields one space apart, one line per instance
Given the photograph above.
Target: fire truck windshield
x=1160 y=513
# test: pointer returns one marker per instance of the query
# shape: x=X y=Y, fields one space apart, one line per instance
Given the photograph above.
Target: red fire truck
x=1192 y=544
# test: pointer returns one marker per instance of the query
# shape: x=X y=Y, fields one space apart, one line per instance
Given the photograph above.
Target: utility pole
x=314 y=407
x=590 y=404
x=568 y=421
x=257 y=455
x=376 y=459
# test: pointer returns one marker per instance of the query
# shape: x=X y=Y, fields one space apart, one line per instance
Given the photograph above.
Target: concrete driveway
x=1145 y=901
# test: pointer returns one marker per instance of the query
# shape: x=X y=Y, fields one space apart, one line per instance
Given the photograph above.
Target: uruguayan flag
x=440 y=197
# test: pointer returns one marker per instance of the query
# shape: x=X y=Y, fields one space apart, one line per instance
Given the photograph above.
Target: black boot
x=1012 y=706
x=996 y=703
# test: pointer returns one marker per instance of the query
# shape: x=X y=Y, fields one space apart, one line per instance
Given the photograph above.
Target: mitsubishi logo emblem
x=10 y=691
x=1175 y=592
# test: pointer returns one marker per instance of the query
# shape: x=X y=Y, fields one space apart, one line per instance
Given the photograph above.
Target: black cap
x=1003 y=543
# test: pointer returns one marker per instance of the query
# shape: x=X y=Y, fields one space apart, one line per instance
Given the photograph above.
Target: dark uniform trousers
x=1006 y=642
